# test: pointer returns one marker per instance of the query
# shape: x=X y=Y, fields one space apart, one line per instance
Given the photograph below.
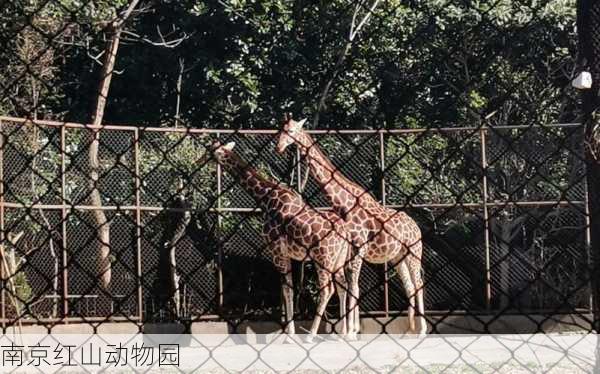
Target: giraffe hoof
x=309 y=338
x=352 y=336
x=289 y=339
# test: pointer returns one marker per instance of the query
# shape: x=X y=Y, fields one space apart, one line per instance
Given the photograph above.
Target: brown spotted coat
x=379 y=234
x=295 y=231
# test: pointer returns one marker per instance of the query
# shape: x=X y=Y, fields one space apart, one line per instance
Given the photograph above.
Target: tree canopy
x=241 y=64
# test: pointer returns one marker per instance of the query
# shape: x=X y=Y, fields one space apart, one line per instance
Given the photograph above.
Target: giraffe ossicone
x=229 y=146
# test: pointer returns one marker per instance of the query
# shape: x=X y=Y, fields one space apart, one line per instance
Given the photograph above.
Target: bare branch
x=353 y=23
x=364 y=20
x=13 y=239
x=179 y=86
x=354 y=30
x=94 y=58
x=163 y=41
x=124 y=16
x=271 y=174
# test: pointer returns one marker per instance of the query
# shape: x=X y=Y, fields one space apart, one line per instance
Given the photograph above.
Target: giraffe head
x=291 y=132
x=218 y=152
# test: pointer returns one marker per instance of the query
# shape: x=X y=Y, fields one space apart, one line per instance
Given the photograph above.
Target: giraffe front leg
x=326 y=290
x=353 y=304
x=288 y=299
x=284 y=266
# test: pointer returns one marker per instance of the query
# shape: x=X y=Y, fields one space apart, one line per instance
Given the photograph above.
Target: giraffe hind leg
x=354 y=300
x=341 y=286
x=404 y=274
x=288 y=298
x=415 y=273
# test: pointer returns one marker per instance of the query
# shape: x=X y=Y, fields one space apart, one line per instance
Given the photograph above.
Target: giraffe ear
x=301 y=123
x=229 y=146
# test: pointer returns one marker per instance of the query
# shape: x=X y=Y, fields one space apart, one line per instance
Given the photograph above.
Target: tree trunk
x=54 y=237
x=46 y=223
x=10 y=268
x=103 y=260
x=103 y=265
x=166 y=292
x=179 y=85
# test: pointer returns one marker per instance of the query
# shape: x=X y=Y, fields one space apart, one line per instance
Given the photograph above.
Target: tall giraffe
x=295 y=231
x=378 y=234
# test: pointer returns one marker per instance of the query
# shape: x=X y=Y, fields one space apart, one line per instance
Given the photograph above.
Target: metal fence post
x=64 y=215
x=386 y=291
x=588 y=28
x=219 y=228
x=2 y=275
x=486 y=218
x=299 y=170
x=138 y=223
x=588 y=242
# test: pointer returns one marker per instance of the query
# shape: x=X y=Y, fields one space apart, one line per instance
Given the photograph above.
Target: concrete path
x=483 y=353
x=220 y=353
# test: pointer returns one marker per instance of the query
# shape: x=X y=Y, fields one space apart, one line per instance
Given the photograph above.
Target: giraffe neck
x=340 y=191
x=255 y=184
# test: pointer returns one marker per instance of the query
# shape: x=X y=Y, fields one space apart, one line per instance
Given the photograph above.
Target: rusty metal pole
x=64 y=217
x=299 y=170
x=138 y=223
x=486 y=218
x=588 y=242
x=2 y=275
x=386 y=290
x=219 y=228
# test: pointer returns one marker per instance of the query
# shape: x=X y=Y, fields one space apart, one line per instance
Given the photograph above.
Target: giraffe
x=295 y=231
x=378 y=234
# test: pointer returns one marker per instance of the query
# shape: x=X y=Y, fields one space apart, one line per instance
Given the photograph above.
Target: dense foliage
x=242 y=63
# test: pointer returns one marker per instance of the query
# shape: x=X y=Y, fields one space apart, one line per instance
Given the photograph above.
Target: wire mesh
x=459 y=114
x=536 y=248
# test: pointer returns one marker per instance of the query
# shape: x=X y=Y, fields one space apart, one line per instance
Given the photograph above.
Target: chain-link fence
x=511 y=237
x=457 y=115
